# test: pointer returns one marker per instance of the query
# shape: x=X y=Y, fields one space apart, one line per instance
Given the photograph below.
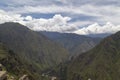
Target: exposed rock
x=3 y=75
x=10 y=77
x=53 y=78
x=24 y=77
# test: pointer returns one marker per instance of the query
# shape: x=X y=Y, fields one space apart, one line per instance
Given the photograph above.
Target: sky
x=72 y=16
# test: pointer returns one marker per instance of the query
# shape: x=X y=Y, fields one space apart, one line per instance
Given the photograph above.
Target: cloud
x=57 y=24
x=8 y=17
x=66 y=2
x=100 y=14
x=69 y=15
x=103 y=13
x=80 y=10
x=47 y=9
x=28 y=18
x=97 y=29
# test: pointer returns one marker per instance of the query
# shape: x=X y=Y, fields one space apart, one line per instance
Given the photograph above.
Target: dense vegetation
x=14 y=65
x=100 y=63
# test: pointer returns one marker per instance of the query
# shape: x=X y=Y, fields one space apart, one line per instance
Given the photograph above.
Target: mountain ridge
x=74 y=43
x=100 y=63
x=35 y=49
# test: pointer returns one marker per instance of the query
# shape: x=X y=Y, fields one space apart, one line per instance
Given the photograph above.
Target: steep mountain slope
x=14 y=65
x=35 y=49
x=76 y=44
x=100 y=63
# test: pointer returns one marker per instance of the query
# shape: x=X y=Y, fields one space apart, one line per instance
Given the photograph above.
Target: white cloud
x=99 y=13
x=29 y=18
x=81 y=24
x=8 y=17
x=58 y=23
x=96 y=11
x=47 y=9
x=97 y=29
x=103 y=13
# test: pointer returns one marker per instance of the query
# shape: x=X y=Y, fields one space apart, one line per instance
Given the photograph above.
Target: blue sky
x=81 y=12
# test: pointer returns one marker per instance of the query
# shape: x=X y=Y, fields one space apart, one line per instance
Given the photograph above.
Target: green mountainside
x=74 y=43
x=23 y=51
x=35 y=49
x=100 y=63
x=14 y=65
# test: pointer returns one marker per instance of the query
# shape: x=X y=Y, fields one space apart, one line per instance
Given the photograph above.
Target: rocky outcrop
x=53 y=78
x=24 y=77
x=3 y=75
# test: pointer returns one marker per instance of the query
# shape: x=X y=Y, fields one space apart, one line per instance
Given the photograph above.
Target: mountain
x=100 y=35
x=74 y=43
x=14 y=66
x=35 y=49
x=100 y=63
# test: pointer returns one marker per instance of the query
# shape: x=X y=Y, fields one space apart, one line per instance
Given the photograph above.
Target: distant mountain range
x=74 y=43
x=100 y=63
x=102 y=35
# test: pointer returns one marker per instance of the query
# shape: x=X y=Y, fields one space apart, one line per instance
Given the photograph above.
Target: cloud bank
x=98 y=29
x=58 y=23
x=68 y=16
x=93 y=11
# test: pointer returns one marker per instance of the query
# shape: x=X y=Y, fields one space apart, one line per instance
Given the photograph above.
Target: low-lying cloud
x=98 y=29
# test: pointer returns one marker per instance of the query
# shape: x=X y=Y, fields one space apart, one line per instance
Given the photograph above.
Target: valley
x=59 y=40
x=30 y=55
